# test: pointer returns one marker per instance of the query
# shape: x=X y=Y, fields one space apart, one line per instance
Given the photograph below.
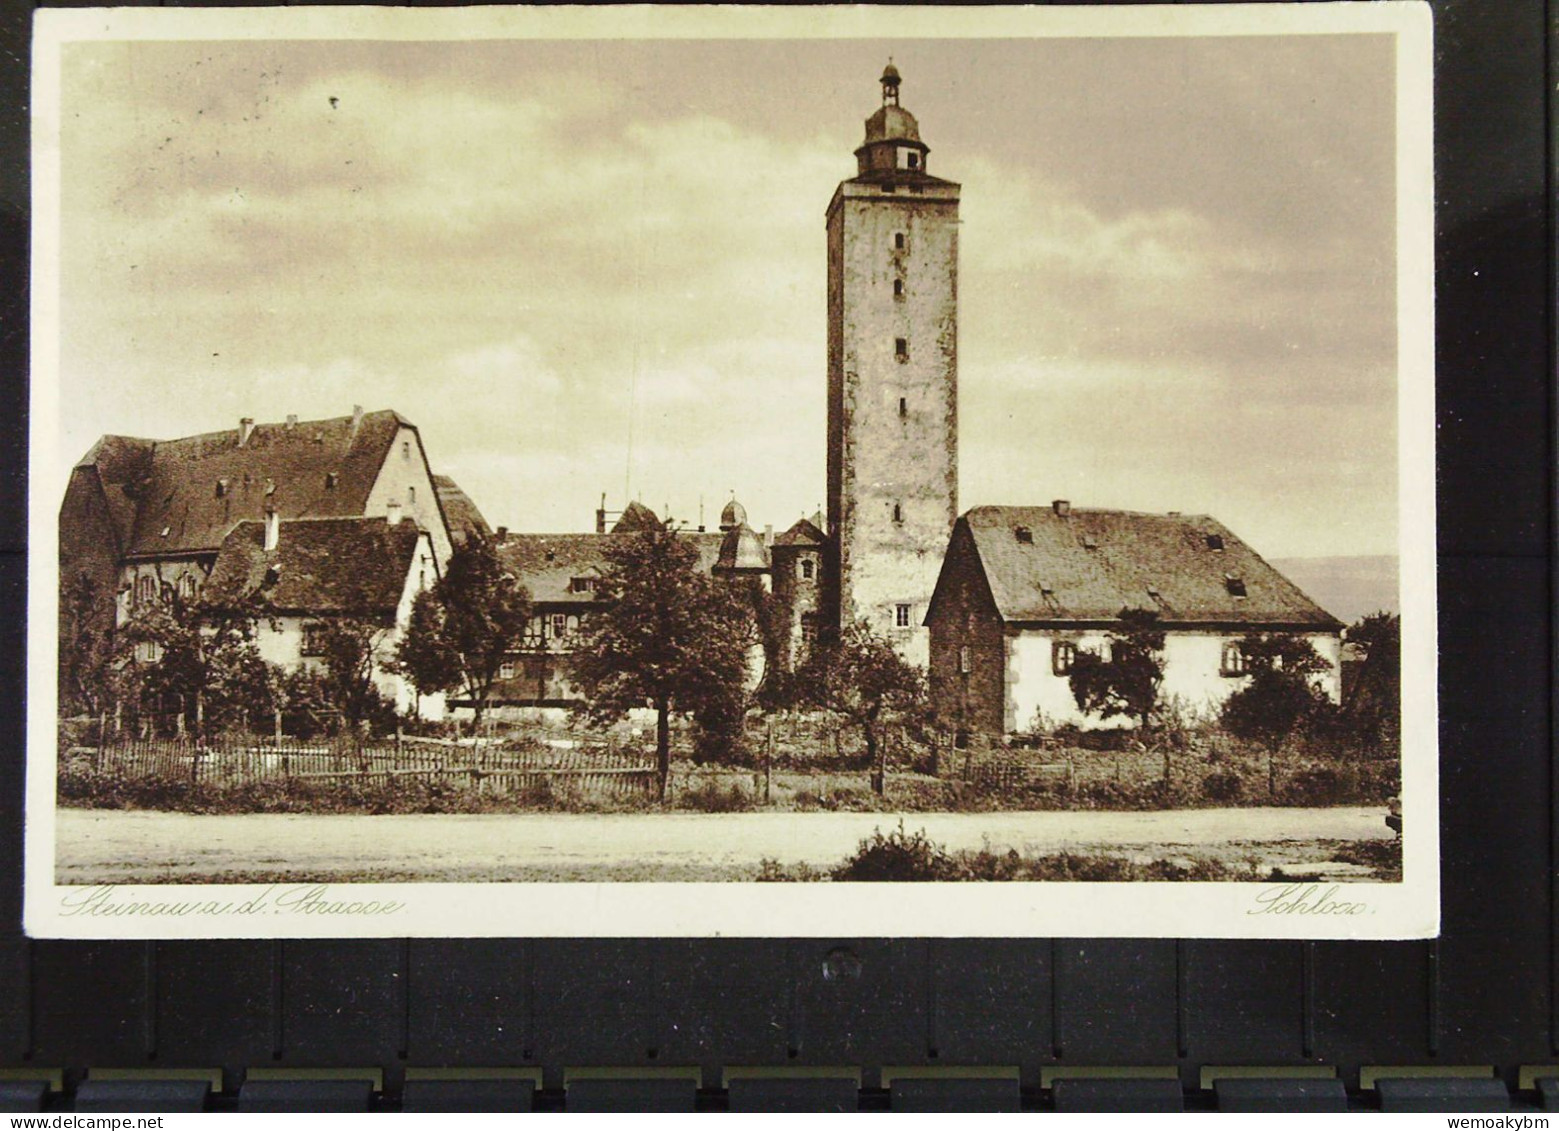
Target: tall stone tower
x=892 y=379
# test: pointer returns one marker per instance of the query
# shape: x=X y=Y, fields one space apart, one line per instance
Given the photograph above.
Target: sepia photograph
x=733 y=471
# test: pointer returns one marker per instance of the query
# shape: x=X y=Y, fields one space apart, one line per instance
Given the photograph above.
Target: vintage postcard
x=733 y=471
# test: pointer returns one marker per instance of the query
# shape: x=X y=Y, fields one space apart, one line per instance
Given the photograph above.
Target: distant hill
x=1348 y=588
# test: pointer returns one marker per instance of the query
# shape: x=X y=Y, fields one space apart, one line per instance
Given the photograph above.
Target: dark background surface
x=1483 y=994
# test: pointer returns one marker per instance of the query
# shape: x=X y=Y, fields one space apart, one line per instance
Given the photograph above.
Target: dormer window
x=221 y=488
x=270 y=486
x=1235 y=585
x=582 y=584
x=1215 y=542
x=1023 y=534
x=331 y=479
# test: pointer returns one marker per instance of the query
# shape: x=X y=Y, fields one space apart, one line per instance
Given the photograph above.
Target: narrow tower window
x=901 y=348
x=898 y=241
x=903 y=407
x=898 y=288
x=898 y=513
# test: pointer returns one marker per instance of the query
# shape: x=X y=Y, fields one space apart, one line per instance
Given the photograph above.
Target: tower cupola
x=892 y=142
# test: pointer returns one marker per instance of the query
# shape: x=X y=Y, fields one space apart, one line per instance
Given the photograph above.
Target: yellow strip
x=1213 y=1072
x=213 y=1076
x=949 y=1072
x=1370 y=1073
x=373 y=1075
x=1048 y=1076
x=53 y=1077
x=1529 y=1074
x=515 y=1074
x=693 y=1073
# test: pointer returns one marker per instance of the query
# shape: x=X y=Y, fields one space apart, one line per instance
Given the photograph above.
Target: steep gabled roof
x=355 y=566
x=803 y=533
x=546 y=564
x=1087 y=565
x=187 y=494
x=459 y=511
x=121 y=464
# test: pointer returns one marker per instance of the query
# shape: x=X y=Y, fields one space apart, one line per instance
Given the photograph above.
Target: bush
x=712 y=797
x=898 y=857
x=1321 y=786
x=1223 y=785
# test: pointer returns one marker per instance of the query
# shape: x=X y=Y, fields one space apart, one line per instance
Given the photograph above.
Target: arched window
x=808 y=568
x=1232 y=660
x=186 y=587
x=145 y=590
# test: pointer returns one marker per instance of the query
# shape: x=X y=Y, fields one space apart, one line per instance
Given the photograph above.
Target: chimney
x=357 y=419
x=392 y=512
x=600 y=515
x=245 y=429
x=272 y=529
x=768 y=534
x=503 y=535
x=292 y=421
x=1062 y=508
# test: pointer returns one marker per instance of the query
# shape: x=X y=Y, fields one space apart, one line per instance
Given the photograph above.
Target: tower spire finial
x=890 y=84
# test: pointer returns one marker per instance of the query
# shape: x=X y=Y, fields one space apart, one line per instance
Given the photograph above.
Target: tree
x=1374 y=697
x=205 y=658
x=1280 y=695
x=462 y=629
x=863 y=679
x=349 y=647
x=86 y=666
x=423 y=656
x=667 y=635
x=1126 y=683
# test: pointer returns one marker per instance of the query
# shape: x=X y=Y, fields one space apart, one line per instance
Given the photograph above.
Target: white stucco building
x=1023 y=589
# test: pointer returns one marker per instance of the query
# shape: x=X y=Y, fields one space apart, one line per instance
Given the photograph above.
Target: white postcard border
x=1409 y=909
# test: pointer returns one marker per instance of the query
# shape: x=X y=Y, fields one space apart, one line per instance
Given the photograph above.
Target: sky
x=592 y=267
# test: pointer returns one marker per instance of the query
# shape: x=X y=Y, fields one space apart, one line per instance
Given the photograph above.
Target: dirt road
x=119 y=846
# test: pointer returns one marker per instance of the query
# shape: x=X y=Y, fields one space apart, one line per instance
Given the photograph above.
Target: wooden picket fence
x=587 y=769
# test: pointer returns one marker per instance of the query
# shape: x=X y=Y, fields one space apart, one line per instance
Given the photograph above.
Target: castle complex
x=994 y=604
